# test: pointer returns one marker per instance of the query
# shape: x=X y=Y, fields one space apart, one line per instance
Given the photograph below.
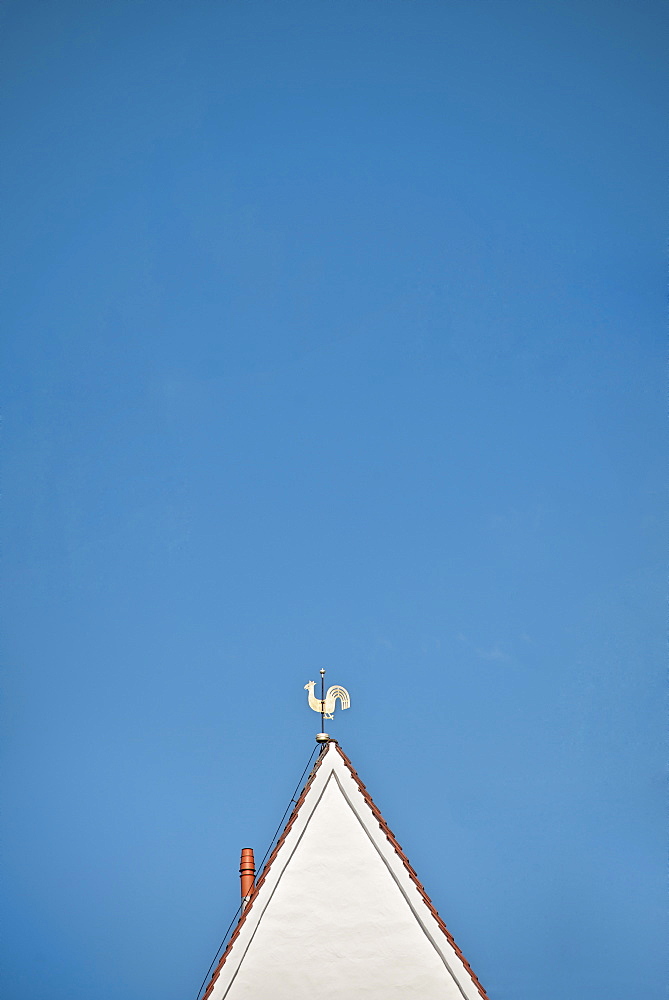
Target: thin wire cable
x=260 y=870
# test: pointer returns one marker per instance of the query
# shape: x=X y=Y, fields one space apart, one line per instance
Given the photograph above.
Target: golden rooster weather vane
x=327 y=702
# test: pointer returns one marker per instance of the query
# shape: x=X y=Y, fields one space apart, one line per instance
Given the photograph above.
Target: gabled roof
x=338 y=912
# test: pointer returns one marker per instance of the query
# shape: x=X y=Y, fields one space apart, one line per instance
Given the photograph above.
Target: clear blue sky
x=333 y=337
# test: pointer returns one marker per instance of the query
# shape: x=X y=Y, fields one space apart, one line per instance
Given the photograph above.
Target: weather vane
x=326 y=703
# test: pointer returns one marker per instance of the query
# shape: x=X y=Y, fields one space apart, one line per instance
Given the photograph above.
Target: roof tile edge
x=258 y=885
x=412 y=874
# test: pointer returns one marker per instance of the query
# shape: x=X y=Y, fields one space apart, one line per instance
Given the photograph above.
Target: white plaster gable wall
x=338 y=916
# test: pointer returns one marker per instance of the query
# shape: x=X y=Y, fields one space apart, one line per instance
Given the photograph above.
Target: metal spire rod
x=322 y=700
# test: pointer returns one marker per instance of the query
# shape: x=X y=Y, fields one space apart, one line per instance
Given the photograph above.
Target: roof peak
x=338 y=868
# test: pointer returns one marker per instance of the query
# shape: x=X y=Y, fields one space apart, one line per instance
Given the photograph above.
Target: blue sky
x=333 y=337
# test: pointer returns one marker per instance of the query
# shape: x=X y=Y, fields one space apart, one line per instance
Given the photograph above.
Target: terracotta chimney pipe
x=247 y=870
